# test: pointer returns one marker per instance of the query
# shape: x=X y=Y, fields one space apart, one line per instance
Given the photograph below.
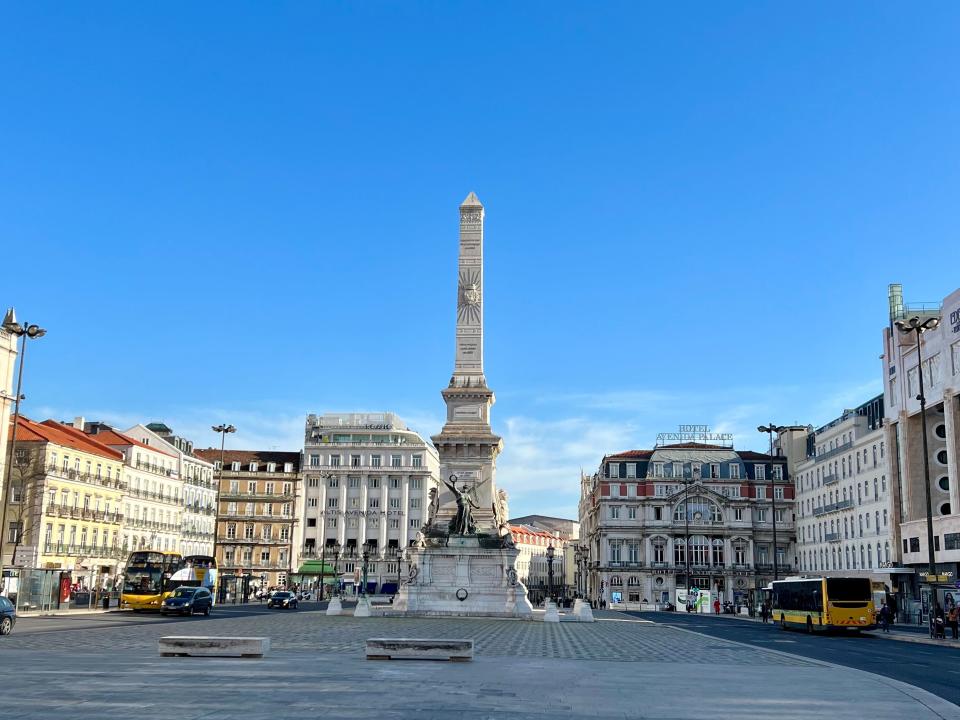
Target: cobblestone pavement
x=615 y=638
x=618 y=667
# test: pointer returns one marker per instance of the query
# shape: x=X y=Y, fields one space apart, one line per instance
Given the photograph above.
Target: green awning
x=315 y=567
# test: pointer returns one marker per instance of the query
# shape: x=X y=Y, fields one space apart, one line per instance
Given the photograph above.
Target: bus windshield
x=142 y=581
x=849 y=589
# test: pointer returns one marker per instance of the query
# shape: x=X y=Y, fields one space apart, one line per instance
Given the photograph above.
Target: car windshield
x=848 y=589
x=184 y=592
x=282 y=595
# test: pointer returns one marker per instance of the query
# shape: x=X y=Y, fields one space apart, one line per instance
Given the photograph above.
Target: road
x=935 y=669
x=126 y=618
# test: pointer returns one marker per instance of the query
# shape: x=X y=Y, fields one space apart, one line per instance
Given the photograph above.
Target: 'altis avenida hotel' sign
x=695 y=433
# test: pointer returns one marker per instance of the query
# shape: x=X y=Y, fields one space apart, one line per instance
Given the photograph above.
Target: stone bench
x=419 y=649
x=204 y=646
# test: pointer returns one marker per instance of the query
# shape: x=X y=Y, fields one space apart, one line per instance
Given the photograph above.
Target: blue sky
x=246 y=212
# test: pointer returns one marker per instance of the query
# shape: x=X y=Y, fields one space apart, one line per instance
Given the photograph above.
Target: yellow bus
x=202 y=571
x=823 y=604
x=148 y=579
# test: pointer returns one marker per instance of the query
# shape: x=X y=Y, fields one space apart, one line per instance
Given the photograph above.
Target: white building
x=152 y=500
x=367 y=479
x=846 y=518
x=199 y=487
x=940 y=360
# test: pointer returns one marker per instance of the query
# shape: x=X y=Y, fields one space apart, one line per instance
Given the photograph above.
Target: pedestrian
x=763 y=612
x=952 y=620
x=716 y=606
x=938 y=621
x=885 y=618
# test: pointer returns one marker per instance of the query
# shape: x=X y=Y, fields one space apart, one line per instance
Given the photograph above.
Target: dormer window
x=235 y=466
x=271 y=467
x=288 y=467
x=253 y=467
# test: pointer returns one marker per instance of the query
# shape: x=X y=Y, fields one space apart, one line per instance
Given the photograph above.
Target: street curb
x=943 y=709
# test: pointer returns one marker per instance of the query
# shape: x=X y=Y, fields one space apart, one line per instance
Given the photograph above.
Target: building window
x=394 y=482
x=734 y=471
x=417 y=461
x=679 y=555
x=631 y=470
x=760 y=472
x=375 y=461
x=415 y=484
x=613 y=470
x=334 y=461
x=761 y=515
x=658 y=469
x=354 y=461
x=332 y=502
x=614 y=512
x=778 y=493
x=373 y=483
x=658 y=513
x=738 y=513
x=717 y=554
x=395 y=461
x=632 y=512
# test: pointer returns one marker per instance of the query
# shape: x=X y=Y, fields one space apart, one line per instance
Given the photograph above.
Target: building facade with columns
x=368 y=478
x=532 y=565
x=644 y=513
x=939 y=358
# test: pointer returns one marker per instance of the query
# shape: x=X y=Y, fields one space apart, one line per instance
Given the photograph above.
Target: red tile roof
x=245 y=457
x=63 y=435
x=117 y=439
x=751 y=455
x=643 y=454
x=520 y=530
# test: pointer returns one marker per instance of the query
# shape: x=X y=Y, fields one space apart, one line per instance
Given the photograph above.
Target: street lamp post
x=914 y=325
x=223 y=429
x=551 y=552
x=365 y=550
x=770 y=430
x=323 y=560
x=399 y=554
x=24 y=331
x=335 y=551
x=694 y=477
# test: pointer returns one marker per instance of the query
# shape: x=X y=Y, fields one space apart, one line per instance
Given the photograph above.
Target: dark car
x=283 y=599
x=8 y=616
x=187 y=601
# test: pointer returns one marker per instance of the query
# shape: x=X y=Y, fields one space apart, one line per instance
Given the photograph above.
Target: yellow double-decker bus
x=148 y=579
x=823 y=604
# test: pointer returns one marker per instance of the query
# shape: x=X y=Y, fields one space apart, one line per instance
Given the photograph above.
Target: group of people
x=942 y=618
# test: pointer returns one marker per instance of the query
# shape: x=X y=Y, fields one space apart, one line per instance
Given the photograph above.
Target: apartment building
x=256 y=516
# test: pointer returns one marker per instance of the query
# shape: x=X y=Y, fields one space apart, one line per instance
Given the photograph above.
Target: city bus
x=148 y=579
x=822 y=604
x=200 y=571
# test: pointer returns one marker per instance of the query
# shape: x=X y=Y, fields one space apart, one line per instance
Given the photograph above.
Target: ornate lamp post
x=223 y=430
x=399 y=554
x=550 y=555
x=365 y=554
x=24 y=331
x=914 y=325
x=770 y=430
x=335 y=552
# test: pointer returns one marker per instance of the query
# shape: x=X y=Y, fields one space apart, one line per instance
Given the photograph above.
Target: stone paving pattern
x=617 y=639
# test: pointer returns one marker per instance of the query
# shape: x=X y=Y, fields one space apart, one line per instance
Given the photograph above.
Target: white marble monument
x=464 y=564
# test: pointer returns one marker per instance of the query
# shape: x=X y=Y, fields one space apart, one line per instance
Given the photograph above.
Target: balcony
x=152 y=525
x=836 y=451
x=240 y=517
x=831 y=537
x=150 y=495
x=89 y=478
x=251 y=541
x=252 y=497
x=781 y=569
x=78 y=513
x=831 y=479
x=844 y=504
x=88 y=551
x=156 y=469
x=252 y=565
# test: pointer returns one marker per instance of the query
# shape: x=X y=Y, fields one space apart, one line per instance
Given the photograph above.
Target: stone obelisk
x=464 y=564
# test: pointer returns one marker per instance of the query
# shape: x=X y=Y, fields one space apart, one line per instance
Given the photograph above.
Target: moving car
x=282 y=599
x=187 y=601
x=8 y=616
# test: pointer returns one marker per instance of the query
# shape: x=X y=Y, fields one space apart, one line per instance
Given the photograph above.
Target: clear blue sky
x=248 y=211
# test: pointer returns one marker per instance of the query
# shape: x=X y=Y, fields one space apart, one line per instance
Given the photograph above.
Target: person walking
x=953 y=616
x=885 y=618
x=716 y=606
x=763 y=612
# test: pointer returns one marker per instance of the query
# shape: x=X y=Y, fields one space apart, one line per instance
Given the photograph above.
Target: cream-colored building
x=533 y=567
x=64 y=509
x=152 y=506
x=8 y=360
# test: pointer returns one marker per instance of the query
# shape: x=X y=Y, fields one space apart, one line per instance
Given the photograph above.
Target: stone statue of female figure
x=462 y=523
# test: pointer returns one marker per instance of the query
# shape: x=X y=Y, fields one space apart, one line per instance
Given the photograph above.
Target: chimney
x=78 y=422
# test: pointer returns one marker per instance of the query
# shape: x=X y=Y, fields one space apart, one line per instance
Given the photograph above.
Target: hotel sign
x=694 y=433
x=955 y=320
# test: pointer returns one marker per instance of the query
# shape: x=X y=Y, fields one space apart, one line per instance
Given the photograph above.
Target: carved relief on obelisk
x=468 y=367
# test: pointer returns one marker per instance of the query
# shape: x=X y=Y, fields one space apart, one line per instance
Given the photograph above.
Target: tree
x=26 y=498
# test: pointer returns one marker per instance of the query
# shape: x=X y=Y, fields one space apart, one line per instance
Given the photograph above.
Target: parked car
x=8 y=616
x=187 y=601
x=283 y=599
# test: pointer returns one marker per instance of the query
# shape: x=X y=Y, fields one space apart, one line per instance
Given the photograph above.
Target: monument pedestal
x=551 y=612
x=463 y=579
x=334 y=607
x=582 y=610
x=363 y=607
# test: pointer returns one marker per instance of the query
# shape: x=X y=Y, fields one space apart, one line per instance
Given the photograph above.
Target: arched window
x=886 y=551
x=847 y=554
x=633 y=581
x=659 y=546
x=679 y=554
x=739 y=551
x=700 y=510
x=717 y=556
x=616 y=581
x=699 y=550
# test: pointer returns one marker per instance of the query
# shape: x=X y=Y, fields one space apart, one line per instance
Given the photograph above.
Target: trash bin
x=106 y=602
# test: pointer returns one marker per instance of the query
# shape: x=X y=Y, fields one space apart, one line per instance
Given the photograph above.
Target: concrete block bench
x=419 y=649
x=203 y=646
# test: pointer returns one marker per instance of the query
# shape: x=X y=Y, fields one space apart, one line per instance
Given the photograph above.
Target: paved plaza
x=618 y=667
